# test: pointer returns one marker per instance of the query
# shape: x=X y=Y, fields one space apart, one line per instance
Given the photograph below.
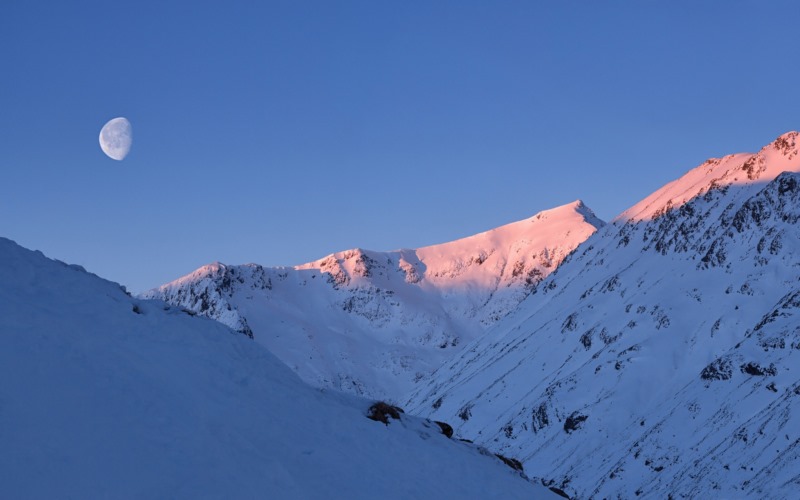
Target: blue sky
x=279 y=132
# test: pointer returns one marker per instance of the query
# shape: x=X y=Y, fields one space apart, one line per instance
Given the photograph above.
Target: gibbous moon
x=116 y=137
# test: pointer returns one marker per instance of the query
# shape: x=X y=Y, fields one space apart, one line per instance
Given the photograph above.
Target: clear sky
x=279 y=132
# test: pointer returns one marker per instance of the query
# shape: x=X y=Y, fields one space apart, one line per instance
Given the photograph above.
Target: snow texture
x=662 y=358
x=373 y=323
x=107 y=396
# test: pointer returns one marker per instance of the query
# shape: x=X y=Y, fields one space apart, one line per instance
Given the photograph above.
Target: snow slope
x=372 y=323
x=106 y=396
x=663 y=357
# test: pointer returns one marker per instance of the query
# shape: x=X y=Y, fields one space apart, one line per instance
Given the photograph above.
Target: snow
x=661 y=358
x=373 y=323
x=655 y=356
x=716 y=173
x=107 y=396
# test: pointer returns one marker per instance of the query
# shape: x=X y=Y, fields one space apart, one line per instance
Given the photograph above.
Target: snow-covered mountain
x=662 y=358
x=374 y=322
x=107 y=396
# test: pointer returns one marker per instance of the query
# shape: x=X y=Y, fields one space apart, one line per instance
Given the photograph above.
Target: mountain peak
x=209 y=270
x=746 y=170
x=577 y=207
x=786 y=143
x=214 y=267
x=404 y=310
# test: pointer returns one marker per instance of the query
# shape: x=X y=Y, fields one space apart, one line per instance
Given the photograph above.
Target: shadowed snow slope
x=663 y=356
x=106 y=396
x=374 y=322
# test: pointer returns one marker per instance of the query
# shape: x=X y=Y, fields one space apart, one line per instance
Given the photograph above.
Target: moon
x=116 y=137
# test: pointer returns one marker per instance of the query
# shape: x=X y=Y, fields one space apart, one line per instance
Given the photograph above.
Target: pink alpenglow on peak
x=383 y=320
x=742 y=170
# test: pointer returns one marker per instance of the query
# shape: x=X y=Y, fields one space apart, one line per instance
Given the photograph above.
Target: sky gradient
x=279 y=132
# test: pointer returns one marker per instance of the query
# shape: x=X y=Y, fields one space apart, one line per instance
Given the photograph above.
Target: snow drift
x=106 y=396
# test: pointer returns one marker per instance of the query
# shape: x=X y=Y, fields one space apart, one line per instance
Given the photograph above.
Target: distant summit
x=374 y=322
x=743 y=169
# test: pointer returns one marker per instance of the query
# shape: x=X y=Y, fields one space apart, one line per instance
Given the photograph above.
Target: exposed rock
x=447 y=429
x=511 y=462
x=719 y=369
x=752 y=368
x=574 y=422
x=381 y=412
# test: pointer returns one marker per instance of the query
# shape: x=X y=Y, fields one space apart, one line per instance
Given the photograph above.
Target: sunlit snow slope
x=662 y=357
x=373 y=322
x=106 y=396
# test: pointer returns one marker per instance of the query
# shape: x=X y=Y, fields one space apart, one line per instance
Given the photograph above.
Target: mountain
x=372 y=323
x=107 y=396
x=662 y=358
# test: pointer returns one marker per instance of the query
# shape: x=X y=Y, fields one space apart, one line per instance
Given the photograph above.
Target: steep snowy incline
x=743 y=169
x=106 y=396
x=663 y=357
x=372 y=323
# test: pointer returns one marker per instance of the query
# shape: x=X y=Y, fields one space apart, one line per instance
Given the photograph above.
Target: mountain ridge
x=383 y=319
x=734 y=169
x=659 y=358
